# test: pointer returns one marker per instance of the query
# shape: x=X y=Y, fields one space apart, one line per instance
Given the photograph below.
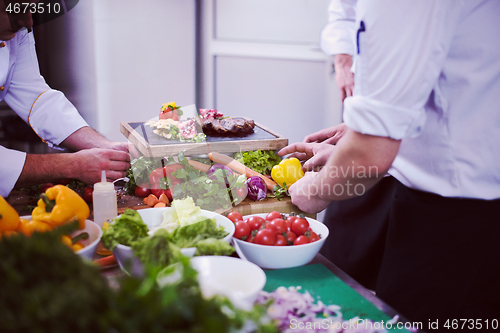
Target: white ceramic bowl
x=95 y=233
x=276 y=257
x=153 y=217
x=239 y=280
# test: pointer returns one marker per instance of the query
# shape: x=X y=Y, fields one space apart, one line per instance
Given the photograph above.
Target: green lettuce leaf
x=212 y=246
x=124 y=230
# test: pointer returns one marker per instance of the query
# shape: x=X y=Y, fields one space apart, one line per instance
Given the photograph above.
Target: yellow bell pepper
x=9 y=218
x=287 y=172
x=60 y=205
x=28 y=227
x=73 y=243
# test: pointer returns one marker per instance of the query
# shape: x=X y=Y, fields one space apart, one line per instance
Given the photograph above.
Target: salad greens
x=184 y=226
x=261 y=161
x=124 y=230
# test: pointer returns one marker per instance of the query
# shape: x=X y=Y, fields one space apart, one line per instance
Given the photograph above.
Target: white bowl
x=95 y=233
x=276 y=257
x=153 y=217
x=239 y=280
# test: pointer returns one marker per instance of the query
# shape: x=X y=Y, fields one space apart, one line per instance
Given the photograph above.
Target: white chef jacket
x=337 y=36
x=48 y=111
x=428 y=72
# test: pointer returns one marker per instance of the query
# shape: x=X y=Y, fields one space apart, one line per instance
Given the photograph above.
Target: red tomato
x=280 y=241
x=301 y=240
x=313 y=237
x=250 y=237
x=45 y=186
x=289 y=221
x=280 y=225
x=290 y=237
x=242 y=230
x=235 y=217
x=143 y=190
x=273 y=215
x=241 y=192
x=265 y=237
x=169 y=169
x=88 y=193
x=271 y=227
x=255 y=222
x=300 y=226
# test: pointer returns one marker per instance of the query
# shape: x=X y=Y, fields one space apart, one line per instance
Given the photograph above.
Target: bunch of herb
x=139 y=171
x=46 y=287
x=261 y=161
x=208 y=193
x=279 y=192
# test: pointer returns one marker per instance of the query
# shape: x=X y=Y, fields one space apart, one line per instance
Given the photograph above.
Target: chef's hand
x=305 y=194
x=328 y=135
x=343 y=74
x=314 y=155
x=91 y=162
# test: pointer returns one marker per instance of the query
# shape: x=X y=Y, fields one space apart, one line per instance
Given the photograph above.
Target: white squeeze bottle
x=104 y=200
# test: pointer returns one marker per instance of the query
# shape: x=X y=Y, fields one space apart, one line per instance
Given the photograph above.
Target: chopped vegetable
x=124 y=230
x=9 y=218
x=261 y=161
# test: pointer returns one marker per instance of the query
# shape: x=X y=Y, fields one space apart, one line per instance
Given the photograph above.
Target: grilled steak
x=227 y=126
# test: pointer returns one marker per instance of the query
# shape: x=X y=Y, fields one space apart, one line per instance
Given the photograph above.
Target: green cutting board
x=325 y=286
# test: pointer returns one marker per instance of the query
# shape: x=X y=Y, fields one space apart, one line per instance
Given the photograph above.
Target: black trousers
x=358 y=229
x=442 y=258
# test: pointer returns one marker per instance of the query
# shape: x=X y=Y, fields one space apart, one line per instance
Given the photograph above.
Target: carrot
x=152 y=200
x=106 y=261
x=240 y=168
x=160 y=204
x=199 y=166
x=164 y=199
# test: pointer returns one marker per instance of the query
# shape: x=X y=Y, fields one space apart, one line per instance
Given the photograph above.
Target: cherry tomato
x=313 y=237
x=300 y=226
x=241 y=192
x=88 y=193
x=271 y=227
x=290 y=237
x=280 y=241
x=156 y=175
x=280 y=225
x=45 y=186
x=235 y=217
x=142 y=190
x=251 y=236
x=273 y=215
x=301 y=240
x=169 y=169
x=255 y=222
x=265 y=237
x=289 y=221
x=242 y=230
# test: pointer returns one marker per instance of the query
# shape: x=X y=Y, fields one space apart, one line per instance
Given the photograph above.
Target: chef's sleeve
x=47 y=111
x=400 y=50
x=11 y=165
x=337 y=36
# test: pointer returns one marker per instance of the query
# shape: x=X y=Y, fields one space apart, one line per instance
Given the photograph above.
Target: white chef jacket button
x=2 y=88
x=2 y=44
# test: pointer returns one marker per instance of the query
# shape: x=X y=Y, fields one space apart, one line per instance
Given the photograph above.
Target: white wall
x=119 y=60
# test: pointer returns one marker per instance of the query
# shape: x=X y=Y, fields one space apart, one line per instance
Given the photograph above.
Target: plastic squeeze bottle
x=104 y=200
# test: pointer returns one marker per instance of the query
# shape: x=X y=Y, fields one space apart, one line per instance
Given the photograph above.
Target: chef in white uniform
x=427 y=90
x=53 y=118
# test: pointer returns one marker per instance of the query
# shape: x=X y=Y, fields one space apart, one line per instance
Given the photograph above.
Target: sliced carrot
x=160 y=204
x=163 y=198
x=145 y=200
x=106 y=261
x=152 y=200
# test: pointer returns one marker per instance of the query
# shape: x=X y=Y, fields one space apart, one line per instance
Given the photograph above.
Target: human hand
x=328 y=135
x=91 y=162
x=343 y=74
x=315 y=155
x=305 y=194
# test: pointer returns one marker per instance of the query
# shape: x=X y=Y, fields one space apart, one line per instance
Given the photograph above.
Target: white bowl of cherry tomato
x=275 y=240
